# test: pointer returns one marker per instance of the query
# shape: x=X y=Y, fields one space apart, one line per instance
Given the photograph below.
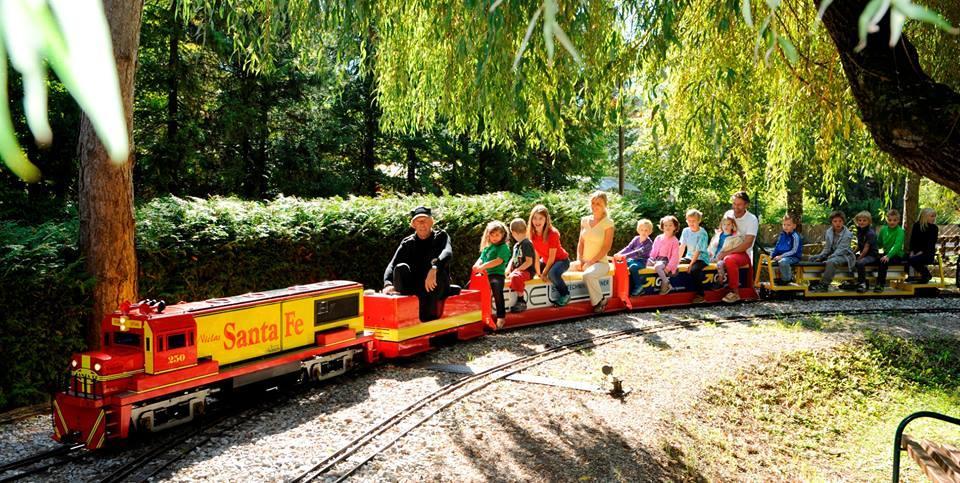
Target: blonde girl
x=728 y=228
x=923 y=243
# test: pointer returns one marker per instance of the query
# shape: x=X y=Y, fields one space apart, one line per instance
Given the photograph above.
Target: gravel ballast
x=515 y=430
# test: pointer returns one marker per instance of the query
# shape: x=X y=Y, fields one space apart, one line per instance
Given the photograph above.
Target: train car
x=541 y=294
x=398 y=331
x=681 y=295
x=805 y=273
x=159 y=365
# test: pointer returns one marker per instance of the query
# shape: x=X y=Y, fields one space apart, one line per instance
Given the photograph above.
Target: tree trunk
x=911 y=206
x=173 y=89
x=910 y=116
x=371 y=119
x=106 y=188
x=483 y=159
x=411 y=169
x=795 y=194
x=620 y=161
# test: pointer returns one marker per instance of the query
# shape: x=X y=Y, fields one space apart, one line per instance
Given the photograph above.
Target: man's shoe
x=862 y=288
x=562 y=300
x=878 y=289
x=601 y=305
x=698 y=299
x=519 y=306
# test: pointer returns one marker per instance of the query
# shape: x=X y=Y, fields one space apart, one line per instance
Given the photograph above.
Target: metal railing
x=898 y=437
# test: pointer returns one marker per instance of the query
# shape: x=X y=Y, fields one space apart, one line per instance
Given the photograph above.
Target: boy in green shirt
x=890 y=242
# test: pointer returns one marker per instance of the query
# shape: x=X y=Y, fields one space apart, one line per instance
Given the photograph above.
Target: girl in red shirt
x=554 y=260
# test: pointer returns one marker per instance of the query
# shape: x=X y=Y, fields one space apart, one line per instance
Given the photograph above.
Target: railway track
x=158 y=458
x=39 y=462
x=383 y=434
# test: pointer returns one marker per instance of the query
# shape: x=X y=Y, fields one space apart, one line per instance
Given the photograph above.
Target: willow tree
x=779 y=117
x=532 y=67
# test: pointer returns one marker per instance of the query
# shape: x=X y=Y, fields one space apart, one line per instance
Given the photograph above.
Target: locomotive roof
x=253 y=298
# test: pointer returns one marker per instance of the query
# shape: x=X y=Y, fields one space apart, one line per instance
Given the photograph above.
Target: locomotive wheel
x=145 y=424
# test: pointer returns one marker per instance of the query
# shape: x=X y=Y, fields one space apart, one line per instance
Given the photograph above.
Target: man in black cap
x=421 y=265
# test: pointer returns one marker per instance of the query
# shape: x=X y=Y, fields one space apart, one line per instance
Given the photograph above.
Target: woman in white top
x=596 y=238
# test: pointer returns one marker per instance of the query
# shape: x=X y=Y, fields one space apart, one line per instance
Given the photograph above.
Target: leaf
x=866 y=20
x=85 y=64
x=924 y=14
x=745 y=11
x=824 y=4
x=897 y=19
x=788 y=49
x=565 y=41
x=549 y=21
x=26 y=45
x=526 y=37
x=9 y=148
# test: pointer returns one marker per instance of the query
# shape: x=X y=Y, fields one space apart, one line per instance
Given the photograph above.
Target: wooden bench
x=949 y=248
x=940 y=462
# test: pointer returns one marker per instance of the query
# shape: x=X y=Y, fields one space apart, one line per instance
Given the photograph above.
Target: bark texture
x=106 y=188
x=795 y=193
x=910 y=116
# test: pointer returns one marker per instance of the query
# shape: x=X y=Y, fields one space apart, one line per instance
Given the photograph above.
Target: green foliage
x=190 y=249
x=44 y=293
x=74 y=39
x=193 y=249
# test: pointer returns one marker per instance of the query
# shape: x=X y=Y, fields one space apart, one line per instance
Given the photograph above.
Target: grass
x=823 y=415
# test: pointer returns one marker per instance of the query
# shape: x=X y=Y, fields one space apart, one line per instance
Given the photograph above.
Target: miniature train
x=159 y=366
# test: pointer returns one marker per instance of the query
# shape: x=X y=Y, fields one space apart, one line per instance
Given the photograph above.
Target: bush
x=44 y=293
x=193 y=249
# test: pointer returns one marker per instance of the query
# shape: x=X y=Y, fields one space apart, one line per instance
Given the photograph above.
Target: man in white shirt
x=741 y=255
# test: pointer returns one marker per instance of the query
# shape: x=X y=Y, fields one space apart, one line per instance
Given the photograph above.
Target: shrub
x=193 y=249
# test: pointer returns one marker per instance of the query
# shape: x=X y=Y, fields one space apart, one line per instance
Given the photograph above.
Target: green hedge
x=191 y=249
x=44 y=295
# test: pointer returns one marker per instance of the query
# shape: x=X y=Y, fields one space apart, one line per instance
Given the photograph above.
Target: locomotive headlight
x=123 y=323
x=74 y=363
x=96 y=367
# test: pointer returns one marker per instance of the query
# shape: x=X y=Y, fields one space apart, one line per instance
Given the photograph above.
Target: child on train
x=726 y=236
x=665 y=254
x=890 y=242
x=494 y=257
x=636 y=253
x=923 y=244
x=522 y=264
x=694 y=243
x=836 y=251
x=867 y=252
x=788 y=250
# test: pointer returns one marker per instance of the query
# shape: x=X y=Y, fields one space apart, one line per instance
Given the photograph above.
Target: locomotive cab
x=169 y=344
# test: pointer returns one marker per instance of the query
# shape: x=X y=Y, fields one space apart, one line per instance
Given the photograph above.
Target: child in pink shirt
x=665 y=254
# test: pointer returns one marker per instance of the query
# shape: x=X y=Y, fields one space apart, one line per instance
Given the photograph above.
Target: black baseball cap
x=420 y=211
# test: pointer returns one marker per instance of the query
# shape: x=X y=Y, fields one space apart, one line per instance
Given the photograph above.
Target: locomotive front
x=81 y=412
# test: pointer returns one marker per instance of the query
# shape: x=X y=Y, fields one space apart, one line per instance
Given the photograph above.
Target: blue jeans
x=556 y=276
x=634 y=266
x=786 y=268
